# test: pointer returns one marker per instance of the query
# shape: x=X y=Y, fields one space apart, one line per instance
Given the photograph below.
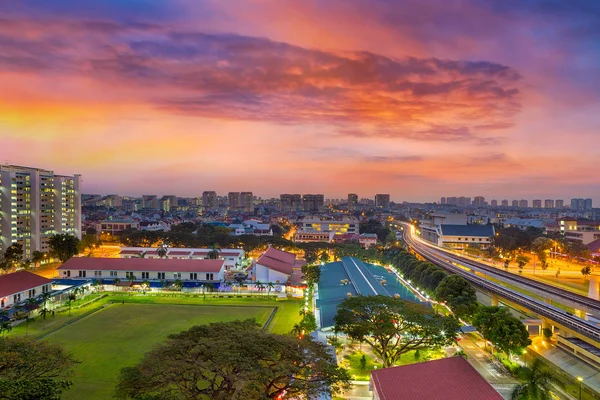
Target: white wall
x=265 y=274
x=122 y=275
x=9 y=300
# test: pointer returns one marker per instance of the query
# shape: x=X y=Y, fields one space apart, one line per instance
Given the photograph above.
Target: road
x=449 y=262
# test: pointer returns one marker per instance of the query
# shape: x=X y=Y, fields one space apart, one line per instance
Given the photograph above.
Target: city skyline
x=177 y=97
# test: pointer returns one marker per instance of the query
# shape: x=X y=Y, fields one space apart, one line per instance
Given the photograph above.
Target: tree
x=30 y=305
x=13 y=253
x=307 y=324
x=5 y=325
x=393 y=327
x=522 y=261
x=37 y=257
x=270 y=287
x=228 y=360
x=87 y=242
x=260 y=286
x=178 y=284
x=586 y=271
x=116 y=281
x=458 y=293
x=312 y=273
x=537 y=385
x=33 y=370
x=324 y=257
x=540 y=246
x=506 y=332
x=214 y=252
x=162 y=251
x=64 y=246
x=311 y=256
x=71 y=297
x=578 y=250
x=363 y=363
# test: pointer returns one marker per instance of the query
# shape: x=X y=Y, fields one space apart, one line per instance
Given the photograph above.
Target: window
x=161 y=275
x=113 y=274
x=177 y=275
x=210 y=277
x=145 y=275
x=97 y=274
x=82 y=274
x=129 y=274
x=459 y=238
x=193 y=276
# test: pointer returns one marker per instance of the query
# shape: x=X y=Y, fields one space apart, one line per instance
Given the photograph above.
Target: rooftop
x=278 y=260
x=445 y=379
x=467 y=230
x=141 y=264
x=20 y=281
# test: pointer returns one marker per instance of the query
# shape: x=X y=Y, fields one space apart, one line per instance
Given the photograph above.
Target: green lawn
x=120 y=334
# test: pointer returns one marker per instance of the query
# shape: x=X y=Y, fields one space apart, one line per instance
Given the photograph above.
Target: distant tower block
x=594 y=290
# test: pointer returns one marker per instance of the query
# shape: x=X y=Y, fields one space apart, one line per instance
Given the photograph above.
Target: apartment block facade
x=36 y=204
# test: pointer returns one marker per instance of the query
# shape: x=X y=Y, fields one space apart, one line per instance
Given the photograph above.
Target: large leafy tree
x=312 y=273
x=506 y=332
x=64 y=246
x=228 y=360
x=393 y=327
x=33 y=370
x=14 y=253
x=458 y=293
x=537 y=383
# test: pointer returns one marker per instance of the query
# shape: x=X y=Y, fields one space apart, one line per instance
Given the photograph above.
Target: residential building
x=246 y=202
x=523 y=204
x=515 y=203
x=291 y=202
x=258 y=228
x=339 y=225
x=479 y=201
x=505 y=203
x=559 y=204
x=582 y=230
x=114 y=226
x=209 y=201
x=451 y=378
x=581 y=204
x=352 y=202
x=382 y=201
x=463 y=236
x=231 y=257
x=20 y=286
x=524 y=223
x=443 y=201
x=168 y=202
x=452 y=201
x=36 y=204
x=233 y=201
x=463 y=202
x=275 y=266
x=537 y=204
x=367 y=240
x=548 y=203
x=313 y=203
x=150 y=202
x=139 y=269
x=494 y=203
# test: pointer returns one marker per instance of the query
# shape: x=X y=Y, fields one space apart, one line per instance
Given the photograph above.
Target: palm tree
x=131 y=278
x=116 y=281
x=44 y=312
x=260 y=286
x=5 y=325
x=71 y=298
x=178 y=284
x=537 y=385
x=30 y=305
x=162 y=251
x=143 y=254
x=45 y=297
x=270 y=287
x=213 y=254
x=145 y=285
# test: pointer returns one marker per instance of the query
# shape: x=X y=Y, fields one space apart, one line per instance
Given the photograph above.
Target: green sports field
x=119 y=334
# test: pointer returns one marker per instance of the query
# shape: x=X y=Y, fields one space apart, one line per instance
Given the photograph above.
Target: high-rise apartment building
x=291 y=202
x=36 y=204
x=494 y=203
x=233 y=201
x=150 y=202
x=453 y=201
x=559 y=204
x=382 y=201
x=352 y=201
x=536 y=203
x=168 y=202
x=548 y=203
x=209 y=201
x=581 y=204
x=523 y=204
x=463 y=201
x=246 y=202
x=479 y=201
x=515 y=203
x=505 y=203
x=443 y=201
x=313 y=203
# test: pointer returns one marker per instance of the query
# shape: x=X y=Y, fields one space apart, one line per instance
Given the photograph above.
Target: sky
x=416 y=98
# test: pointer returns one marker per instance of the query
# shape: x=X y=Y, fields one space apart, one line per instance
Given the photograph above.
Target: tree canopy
x=228 y=360
x=506 y=332
x=64 y=246
x=393 y=327
x=458 y=293
x=33 y=370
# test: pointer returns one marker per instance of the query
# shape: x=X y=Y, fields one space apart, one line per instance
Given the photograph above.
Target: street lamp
x=525 y=357
x=580 y=379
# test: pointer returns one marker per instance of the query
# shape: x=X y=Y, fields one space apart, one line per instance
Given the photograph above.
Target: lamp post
x=525 y=357
x=580 y=380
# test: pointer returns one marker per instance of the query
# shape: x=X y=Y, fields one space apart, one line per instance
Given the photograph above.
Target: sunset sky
x=418 y=98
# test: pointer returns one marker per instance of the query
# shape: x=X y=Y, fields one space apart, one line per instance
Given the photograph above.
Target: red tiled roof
x=141 y=264
x=179 y=252
x=445 y=379
x=19 y=282
x=278 y=260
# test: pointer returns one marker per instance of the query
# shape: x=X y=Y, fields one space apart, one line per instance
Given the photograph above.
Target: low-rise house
x=20 y=286
x=367 y=240
x=444 y=379
x=232 y=257
x=275 y=266
x=310 y=236
x=143 y=269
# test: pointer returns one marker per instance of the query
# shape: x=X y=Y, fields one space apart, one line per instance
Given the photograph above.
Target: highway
x=444 y=260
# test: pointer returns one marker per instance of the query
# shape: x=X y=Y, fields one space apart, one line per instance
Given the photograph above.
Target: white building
x=429 y=226
x=463 y=236
x=143 y=269
x=367 y=240
x=20 y=286
x=232 y=257
x=275 y=266
x=310 y=236
x=339 y=226
x=36 y=204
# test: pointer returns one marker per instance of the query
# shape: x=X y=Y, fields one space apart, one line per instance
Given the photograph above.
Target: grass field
x=106 y=339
